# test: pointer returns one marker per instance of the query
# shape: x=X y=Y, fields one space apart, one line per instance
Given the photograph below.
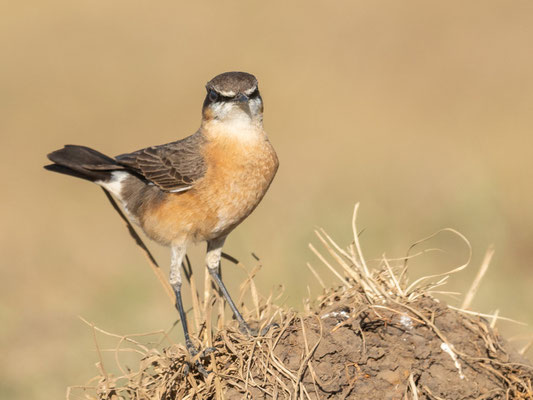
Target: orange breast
x=237 y=177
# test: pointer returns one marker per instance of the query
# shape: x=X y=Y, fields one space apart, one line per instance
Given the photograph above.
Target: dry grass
x=250 y=367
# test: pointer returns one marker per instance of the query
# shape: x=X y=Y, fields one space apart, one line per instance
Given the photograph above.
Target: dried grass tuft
x=252 y=368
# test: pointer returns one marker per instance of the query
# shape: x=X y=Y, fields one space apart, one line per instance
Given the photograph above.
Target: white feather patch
x=250 y=91
x=227 y=93
x=114 y=185
x=232 y=120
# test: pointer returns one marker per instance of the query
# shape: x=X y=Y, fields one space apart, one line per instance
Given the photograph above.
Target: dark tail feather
x=82 y=162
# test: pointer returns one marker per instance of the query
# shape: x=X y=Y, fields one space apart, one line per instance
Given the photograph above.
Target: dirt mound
x=376 y=336
x=346 y=351
x=386 y=352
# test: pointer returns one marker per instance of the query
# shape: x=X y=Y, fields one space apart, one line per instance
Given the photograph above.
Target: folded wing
x=173 y=167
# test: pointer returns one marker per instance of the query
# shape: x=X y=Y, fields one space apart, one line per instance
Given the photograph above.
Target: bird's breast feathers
x=237 y=176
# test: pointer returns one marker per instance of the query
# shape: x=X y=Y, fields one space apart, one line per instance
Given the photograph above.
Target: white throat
x=235 y=122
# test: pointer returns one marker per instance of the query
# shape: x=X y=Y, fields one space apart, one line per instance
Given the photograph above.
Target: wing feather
x=173 y=166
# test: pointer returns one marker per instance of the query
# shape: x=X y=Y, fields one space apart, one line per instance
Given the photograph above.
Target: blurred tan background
x=422 y=111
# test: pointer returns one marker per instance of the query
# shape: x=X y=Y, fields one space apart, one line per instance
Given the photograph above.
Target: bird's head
x=233 y=99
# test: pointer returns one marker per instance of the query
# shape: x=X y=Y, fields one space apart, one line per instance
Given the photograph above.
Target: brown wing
x=173 y=167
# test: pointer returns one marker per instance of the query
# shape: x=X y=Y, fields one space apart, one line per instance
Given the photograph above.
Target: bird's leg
x=214 y=252
x=178 y=252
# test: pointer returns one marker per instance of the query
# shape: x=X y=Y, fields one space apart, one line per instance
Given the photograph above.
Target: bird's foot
x=196 y=356
x=245 y=328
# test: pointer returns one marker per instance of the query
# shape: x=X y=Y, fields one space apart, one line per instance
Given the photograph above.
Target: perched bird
x=195 y=189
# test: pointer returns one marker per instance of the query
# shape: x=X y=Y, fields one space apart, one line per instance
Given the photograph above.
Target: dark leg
x=242 y=323
x=179 y=305
x=214 y=252
x=175 y=281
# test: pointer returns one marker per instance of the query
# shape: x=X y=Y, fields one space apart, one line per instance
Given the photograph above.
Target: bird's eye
x=213 y=96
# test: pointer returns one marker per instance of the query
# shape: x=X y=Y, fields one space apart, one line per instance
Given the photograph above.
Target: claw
x=196 y=355
x=199 y=367
x=208 y=351
x=245 y=329
x=267 y=328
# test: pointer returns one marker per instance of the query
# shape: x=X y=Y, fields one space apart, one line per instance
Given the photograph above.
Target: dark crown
x=232 y=83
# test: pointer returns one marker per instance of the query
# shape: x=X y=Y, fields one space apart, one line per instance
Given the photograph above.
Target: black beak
x=241 y=98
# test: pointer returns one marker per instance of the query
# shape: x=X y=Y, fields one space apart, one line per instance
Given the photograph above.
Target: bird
x=195 y=189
